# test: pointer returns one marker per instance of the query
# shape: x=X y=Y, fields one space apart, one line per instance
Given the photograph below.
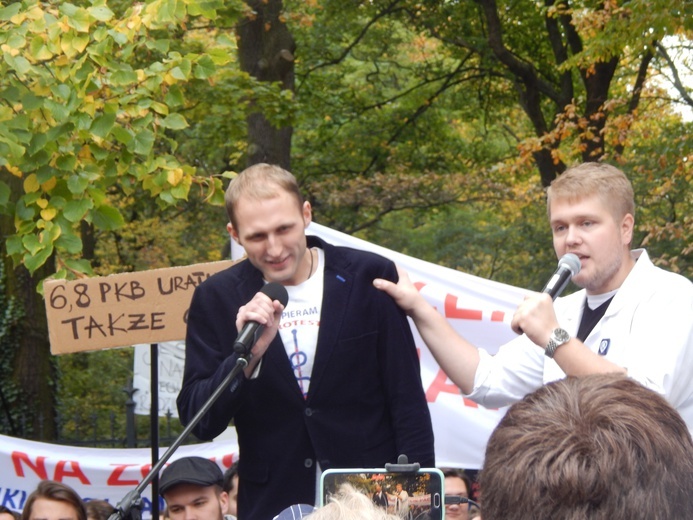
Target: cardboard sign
x=122 y=309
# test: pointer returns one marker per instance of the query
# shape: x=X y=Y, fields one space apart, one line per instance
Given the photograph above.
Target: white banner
x=477 y=308
x=107 y=474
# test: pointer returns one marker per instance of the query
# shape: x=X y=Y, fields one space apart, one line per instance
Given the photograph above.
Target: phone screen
x=416 y=496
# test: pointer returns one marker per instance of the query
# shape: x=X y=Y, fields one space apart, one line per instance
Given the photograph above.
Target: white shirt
x=300 y=323
x=647 y=329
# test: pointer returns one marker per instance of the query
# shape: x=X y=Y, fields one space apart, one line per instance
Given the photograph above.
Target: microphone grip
x=249 y=334
x=557 y=283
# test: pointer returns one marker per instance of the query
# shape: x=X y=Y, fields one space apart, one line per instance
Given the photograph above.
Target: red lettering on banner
x=39 y=468
x=497 y=316
x=419 y=285
x=451 y=310
x=227 y=460
x=145 y=469
x=440 y=385
x=61 y=472
x=114 y=477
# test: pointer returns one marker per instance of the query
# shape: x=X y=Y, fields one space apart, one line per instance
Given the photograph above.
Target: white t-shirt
x=300 y=323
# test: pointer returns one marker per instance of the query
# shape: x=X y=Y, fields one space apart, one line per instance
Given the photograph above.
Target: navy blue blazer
x=365 y=404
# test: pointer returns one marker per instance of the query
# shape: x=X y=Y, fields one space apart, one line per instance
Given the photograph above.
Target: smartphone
x=412 y=495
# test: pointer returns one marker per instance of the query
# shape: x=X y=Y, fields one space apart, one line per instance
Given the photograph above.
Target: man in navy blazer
x=333 y=381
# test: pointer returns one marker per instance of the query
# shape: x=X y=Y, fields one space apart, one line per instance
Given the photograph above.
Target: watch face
x=561 y=335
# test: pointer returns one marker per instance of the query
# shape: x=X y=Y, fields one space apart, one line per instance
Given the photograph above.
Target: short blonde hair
x=591 y=178
x=350 y=504
x=258 y=182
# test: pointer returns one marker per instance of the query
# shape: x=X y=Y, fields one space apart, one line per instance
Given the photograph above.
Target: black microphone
x=252 y=330
x=568 y=266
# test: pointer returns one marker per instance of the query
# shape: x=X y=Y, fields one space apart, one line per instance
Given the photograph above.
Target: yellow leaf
x=49 y=184
x=31 y=184
x=42 y=203
x=14 y=170
x=48 y=213
x=174 y=176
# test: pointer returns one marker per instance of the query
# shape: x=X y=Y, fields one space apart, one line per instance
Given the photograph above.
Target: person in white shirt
x=630 y=317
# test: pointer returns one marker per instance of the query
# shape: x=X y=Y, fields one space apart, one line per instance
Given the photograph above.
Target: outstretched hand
x=404 y=292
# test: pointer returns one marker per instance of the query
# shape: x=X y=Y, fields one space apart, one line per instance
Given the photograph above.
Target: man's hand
x=536 y=318
x=404 y=292
x=261 y=309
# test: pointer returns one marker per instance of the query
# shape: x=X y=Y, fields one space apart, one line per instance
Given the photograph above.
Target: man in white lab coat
x=630 y=316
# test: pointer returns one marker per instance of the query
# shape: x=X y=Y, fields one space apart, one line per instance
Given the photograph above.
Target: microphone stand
x=129 y=508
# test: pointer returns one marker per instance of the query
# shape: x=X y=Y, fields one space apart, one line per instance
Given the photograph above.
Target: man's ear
x=627 y=225
x=307 y=214
x=233 y=233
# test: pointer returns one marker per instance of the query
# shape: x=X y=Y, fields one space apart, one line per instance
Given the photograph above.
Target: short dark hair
x=99 y=509
x=231 y=472
x=598 y=446
x=458 y=473
x=52 y=490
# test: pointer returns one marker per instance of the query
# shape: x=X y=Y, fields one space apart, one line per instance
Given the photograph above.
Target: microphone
x=252 y=330
x=568 y=266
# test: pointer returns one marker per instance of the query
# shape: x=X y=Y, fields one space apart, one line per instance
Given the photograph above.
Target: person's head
x=53 y=500
x=192 y=489
x=231 y=487
x=457 y=484
x=350 y=504
x=378 y=487
x=592 y=214
x=98 y=509
x=7 y=514
x=598 y=446
x=268 y=217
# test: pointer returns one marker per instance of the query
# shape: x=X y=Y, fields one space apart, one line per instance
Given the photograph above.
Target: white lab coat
x=647 y=329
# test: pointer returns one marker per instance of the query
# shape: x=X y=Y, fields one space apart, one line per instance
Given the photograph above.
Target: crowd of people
x=599 y=383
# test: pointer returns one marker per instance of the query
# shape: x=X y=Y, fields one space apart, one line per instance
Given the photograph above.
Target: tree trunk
x=33 y=368
x=266 y=51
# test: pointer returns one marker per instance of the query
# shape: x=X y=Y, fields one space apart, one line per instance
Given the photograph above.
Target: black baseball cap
x=190 y=470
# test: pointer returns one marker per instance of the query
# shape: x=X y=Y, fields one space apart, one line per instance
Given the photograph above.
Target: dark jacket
x=365 y=405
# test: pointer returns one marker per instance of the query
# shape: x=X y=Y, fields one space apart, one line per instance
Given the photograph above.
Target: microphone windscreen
x=571 y=262
x=276 y=291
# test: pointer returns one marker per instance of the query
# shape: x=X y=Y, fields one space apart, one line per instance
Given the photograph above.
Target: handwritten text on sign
x=122 y=309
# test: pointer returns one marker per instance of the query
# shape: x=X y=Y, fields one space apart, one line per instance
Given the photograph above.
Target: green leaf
x=37 y=143
x=14 y=150
x=75 y=210
x=14 y=246
x=205 y=68
x=79 y=265
x=11 y=10
x=66 y=162
x=123 y=135
x=33 y=262
x=31 y=243
x=69 y=242
x=107 y=218
x=123 y=77
x=77 y=17
x=174 y=97
x=77 y=184
x=18 y=63
x=159 y=45
x=102 y=13
x=174 y=122
x=102 y=125
x=144 y=141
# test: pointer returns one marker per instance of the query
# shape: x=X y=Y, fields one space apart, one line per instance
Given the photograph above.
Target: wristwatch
x=558 y=338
